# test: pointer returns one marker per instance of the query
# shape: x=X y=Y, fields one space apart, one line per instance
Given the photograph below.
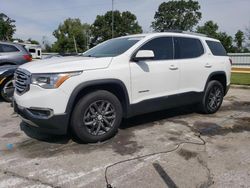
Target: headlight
x=53 y=80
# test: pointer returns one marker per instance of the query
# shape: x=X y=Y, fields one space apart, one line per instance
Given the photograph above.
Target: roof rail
x=187 y=32
x=174 y=31
x=194 y=33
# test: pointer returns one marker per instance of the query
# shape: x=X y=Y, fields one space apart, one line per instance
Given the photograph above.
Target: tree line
x=74 y=36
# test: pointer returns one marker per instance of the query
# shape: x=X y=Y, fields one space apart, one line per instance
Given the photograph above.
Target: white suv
x=120 y=78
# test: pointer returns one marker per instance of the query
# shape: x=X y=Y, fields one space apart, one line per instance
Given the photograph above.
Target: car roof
x=20 y=47
x=10 y=43
x=5 y=42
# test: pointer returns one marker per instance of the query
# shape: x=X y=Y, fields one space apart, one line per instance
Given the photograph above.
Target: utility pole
x=87 y=39
x=112 y=18
x=75 y=44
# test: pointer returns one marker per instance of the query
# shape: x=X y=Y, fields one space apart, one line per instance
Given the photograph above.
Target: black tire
x=96 y=109
x=7 y=84
x=213 y=98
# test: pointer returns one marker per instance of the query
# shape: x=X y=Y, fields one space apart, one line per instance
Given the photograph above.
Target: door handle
x=208 y=65
x=173 y=67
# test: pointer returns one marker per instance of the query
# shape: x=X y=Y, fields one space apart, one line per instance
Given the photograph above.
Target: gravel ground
x=30 y=159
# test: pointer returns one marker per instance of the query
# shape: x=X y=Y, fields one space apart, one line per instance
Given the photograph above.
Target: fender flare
x=9 y=72
x=96 y=83
x=215 y=74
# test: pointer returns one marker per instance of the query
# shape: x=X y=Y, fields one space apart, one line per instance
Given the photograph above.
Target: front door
x=157 y=77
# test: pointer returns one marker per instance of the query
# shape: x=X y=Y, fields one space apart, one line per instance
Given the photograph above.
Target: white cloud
x=38 y=18
x=26 y=31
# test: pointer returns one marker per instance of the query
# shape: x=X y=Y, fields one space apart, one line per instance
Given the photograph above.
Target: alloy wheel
x=214 y=98
x=99 y=117
x=8 y=90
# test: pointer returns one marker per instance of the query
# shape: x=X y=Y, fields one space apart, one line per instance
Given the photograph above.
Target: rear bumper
x=43 y=120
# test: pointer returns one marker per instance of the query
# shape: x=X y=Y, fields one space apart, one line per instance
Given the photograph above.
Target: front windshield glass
x=113 y=47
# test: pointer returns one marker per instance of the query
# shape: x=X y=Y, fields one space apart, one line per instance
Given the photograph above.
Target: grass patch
x=240 y=78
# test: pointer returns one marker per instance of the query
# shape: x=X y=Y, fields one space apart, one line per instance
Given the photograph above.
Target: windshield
x=112 y=48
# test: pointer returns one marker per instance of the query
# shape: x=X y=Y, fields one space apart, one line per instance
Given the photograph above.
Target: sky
x=35 y=19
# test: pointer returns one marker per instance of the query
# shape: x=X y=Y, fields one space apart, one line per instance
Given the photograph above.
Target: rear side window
x=25 y=49
x=216 y=48
x=187 y=48
x=162 y=48
x=8 y=48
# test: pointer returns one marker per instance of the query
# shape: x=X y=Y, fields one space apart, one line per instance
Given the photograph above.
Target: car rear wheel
x=96 y=117
x=7 y=90
x=213 y=97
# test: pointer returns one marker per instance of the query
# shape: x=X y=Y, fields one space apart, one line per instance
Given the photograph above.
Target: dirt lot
x=45 y=161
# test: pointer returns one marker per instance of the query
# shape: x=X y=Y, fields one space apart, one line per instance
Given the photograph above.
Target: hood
x=67 y=64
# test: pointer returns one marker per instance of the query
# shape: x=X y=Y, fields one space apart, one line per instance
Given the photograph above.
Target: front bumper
x=43 y=120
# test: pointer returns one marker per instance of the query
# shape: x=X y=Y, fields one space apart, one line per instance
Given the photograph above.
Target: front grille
x=22 y=81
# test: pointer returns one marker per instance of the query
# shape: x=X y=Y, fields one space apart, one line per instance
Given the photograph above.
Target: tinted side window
x=216 y=48
x=162 y=48
x=187 y=48
x=1 y=48
x=9 y=48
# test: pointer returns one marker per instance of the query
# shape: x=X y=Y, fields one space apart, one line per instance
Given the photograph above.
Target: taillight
x=231 y=61
x=27 y=57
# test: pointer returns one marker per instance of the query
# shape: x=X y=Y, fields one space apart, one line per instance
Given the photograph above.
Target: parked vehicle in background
x=120 y=78
x=34 y=50
x=13 y=54
x=6 y=81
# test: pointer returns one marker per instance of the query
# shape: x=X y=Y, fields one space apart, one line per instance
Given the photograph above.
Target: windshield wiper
x=88 y=56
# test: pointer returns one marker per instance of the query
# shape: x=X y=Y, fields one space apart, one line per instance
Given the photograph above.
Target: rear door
x=157 y=77
x=194 y=70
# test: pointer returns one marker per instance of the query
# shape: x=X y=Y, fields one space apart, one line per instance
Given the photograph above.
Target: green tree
x=47 y=48
x=211 y=29
x=7 y=27
x=71 y=36
x=226 y=41
x=33 y=41
x=125 y=23
x=239 y=40
x=17 y=39
x=177 y=15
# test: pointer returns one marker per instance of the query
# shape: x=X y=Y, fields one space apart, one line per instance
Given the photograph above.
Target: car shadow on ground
x=137 y=122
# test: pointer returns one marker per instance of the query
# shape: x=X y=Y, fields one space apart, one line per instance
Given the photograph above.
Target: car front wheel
x=7 y=90
x=96 y=117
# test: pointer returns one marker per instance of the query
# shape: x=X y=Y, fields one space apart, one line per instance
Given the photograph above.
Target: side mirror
x=144 y=55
